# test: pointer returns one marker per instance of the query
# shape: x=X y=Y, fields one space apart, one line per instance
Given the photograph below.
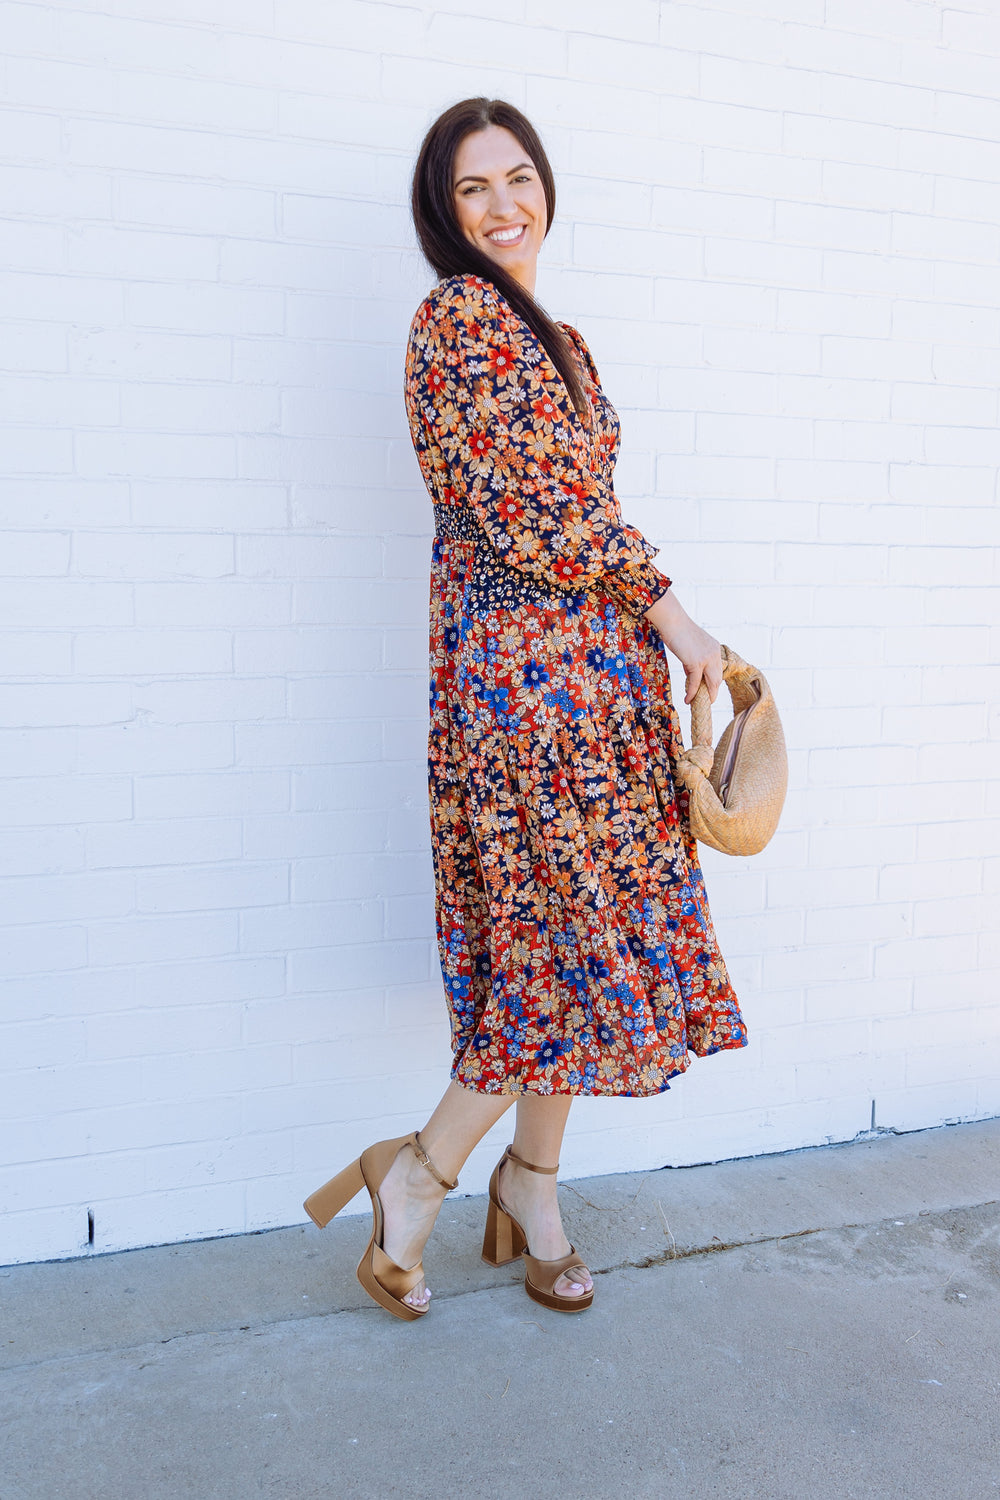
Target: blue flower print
x=535 y=675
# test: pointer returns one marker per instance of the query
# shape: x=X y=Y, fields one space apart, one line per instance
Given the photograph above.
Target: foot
x=532 y=1200
x=411 y=1201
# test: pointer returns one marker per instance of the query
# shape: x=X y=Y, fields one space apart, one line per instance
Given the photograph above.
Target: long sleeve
x=516 y=451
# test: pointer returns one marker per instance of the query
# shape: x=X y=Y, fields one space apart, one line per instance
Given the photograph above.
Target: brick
x=53 y=800
x=150 y=555
x=885 y=997
x=372 y=876
x=304 y=216
x=308 y=557
x=146 y=845
x=33 y=346
x=55 y=193
x=220 y=887
x=293 y=651
x=971 y=33
x=99 y=249
x=62 y=504
x=939 y=483
x=304 y=1019
x=943 y=404
x=37 y=752
x=354 y=696
x=151 y=455
x=313 y=925
x=869 y=441
x=296 y=836
x=197 y=309
x=754 y=436
x=41 y=949
x=240 y=699
x=194 y=101
x=885 y=359
x=877 y=923
x=32 y=246
x=64 y=898
x=833 y=228
x=316 y=743
x=205 y=207
x=35 y=705
x=220 y=506
x=153 y=653
x=211 y=794
x=210 y=981
x=64 y=298
x=232 y=604
x=191 y=408
x=28 y=451
x=132 y=354
x=146 y=940
x=30 y=656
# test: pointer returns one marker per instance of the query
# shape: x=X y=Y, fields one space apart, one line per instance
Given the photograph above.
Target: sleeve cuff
x=637 y=588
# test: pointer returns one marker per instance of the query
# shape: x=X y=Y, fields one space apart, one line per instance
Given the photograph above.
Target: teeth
x=502 y=235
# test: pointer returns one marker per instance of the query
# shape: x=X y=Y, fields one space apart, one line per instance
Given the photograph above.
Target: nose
x=503 y=205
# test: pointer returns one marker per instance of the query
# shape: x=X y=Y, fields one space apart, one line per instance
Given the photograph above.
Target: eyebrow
x=510 y=172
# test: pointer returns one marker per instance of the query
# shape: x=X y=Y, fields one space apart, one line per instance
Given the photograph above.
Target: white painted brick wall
x=779 y=232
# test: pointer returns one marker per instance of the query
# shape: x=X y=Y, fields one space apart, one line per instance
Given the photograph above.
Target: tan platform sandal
x=505 y=1241
x=381 y=1278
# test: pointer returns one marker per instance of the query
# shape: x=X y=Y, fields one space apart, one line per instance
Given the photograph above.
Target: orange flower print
x=502 y=361
x=545 y=409
x=566 y=569
x=510 y=508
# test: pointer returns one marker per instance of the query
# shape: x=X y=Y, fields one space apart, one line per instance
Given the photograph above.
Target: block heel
x=384 y=1281
x=503 y=1240
x=326 y=1202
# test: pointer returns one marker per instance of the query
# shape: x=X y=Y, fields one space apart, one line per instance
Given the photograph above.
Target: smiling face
x=500 y=201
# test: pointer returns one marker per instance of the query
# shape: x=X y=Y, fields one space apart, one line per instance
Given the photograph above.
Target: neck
x=527 y=279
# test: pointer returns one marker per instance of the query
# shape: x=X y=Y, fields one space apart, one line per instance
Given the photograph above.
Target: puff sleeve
x=493 y=426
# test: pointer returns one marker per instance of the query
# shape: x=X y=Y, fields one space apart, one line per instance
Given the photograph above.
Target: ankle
x=530 y=1161
x=418 y=1181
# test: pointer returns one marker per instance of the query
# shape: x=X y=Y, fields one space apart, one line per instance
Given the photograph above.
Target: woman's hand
x=698 y=652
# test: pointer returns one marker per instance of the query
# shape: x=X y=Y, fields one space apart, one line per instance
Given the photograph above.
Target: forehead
x=488 y=152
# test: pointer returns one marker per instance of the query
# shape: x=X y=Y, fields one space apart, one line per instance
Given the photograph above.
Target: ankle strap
x=545 y=1171
x=425 y=1161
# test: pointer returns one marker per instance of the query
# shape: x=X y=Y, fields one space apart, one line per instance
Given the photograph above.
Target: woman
x=575 y=939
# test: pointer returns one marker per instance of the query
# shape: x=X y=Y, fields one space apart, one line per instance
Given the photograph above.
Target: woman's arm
x=516 y=453
x=698 y=652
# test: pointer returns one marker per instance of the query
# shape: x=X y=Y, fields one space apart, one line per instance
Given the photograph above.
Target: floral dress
x=575 y=939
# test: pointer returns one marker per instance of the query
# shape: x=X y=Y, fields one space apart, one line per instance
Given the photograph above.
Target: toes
x=574 y=1288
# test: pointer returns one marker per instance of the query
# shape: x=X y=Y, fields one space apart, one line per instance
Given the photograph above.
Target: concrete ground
x=820 y=1324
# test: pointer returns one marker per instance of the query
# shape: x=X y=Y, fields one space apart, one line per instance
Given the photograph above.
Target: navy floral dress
x=576 y=944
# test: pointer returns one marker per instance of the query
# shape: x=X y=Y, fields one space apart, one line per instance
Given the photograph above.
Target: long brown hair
x=444 y=244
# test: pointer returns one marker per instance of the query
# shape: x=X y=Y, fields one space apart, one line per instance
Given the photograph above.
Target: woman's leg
x=410 y=1196
x=531 y=1197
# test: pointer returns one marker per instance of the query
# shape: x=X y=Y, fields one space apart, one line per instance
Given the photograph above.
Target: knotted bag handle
x=697 y=761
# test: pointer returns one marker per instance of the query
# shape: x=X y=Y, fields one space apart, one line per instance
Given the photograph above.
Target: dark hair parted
x=444 y=244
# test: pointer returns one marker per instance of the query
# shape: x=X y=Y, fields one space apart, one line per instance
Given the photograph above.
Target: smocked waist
x=456 y=523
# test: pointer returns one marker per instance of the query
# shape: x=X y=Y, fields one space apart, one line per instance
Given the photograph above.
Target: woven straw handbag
x=736 y=791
